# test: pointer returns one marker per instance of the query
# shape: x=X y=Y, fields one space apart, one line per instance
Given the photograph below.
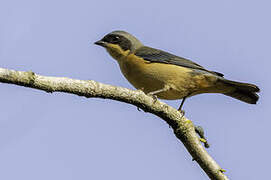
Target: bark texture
x=183 y=128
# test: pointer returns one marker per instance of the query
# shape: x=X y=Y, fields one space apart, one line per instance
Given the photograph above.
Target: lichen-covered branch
x=182 y=127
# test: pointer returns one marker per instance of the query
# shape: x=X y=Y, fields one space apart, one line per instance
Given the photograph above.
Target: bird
x=166 y=76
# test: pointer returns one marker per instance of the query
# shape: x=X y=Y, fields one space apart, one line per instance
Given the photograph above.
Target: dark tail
x=243 y=91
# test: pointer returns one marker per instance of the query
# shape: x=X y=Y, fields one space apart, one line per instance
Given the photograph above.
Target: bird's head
x=119 y=43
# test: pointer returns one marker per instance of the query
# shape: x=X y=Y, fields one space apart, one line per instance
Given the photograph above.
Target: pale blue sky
x=59 y=136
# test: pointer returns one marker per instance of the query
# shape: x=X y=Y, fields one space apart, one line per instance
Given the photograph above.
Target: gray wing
x=158 y=56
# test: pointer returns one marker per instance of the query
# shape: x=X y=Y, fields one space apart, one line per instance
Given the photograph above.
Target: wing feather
x=158 y=56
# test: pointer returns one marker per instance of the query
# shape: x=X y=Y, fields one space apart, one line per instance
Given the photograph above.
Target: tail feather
x=243 y=91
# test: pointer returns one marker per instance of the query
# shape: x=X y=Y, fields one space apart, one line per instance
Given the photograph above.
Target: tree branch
x=182 y=127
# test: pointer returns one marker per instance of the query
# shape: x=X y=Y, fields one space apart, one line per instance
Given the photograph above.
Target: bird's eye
x=115 y=39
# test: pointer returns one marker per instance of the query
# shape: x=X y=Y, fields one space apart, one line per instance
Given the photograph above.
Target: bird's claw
x=154 y=97
x=182 y=112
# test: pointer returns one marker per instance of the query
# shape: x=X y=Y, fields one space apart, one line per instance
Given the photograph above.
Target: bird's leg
x=180 y=108
x=153 y=93
x=158 y=91
x=199 y=130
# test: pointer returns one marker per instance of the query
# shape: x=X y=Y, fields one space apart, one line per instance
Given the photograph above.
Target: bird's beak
x=101 y=43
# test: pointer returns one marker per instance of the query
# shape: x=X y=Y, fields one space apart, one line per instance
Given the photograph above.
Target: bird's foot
x=182 y=112
x=154 y=97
